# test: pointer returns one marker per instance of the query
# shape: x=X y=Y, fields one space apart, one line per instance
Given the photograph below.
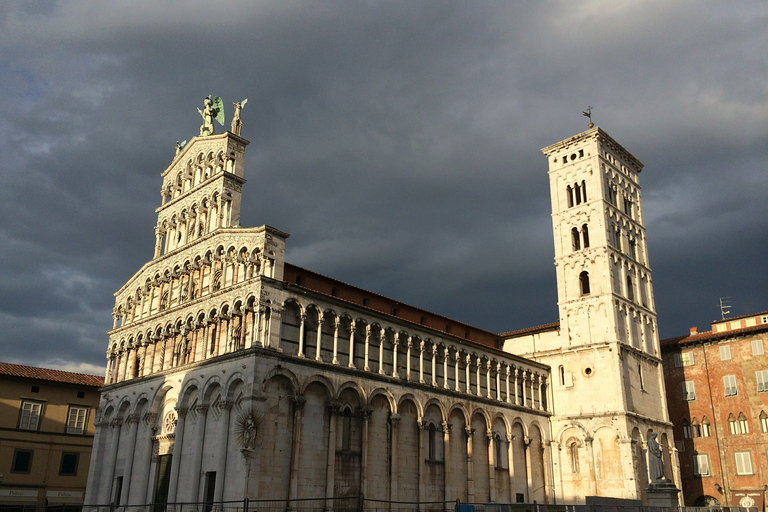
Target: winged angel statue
x=212 y=109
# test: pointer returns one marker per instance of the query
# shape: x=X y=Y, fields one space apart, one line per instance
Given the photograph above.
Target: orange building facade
x=46 y=436
x=717 y=393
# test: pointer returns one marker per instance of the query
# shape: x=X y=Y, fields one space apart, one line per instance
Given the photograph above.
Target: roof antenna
x=588 y=113
x=725 y=307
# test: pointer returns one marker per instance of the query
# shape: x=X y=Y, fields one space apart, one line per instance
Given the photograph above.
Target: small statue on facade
x=212 y=109
x=655 y=459
x=237 y=123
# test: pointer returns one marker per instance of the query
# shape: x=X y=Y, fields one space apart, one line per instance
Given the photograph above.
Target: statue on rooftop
x=212 y=109
x=237 y=123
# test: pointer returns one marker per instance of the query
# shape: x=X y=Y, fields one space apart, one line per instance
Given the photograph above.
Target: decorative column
x=538 y=390
x=395 y=344
x=434 y=367
x=510 y=462
x=488 y=365
x=298 y=407
x=470 y=469
x=367 y=343
x=446 y=354
x=330 y=478
x=408 y=359
x=178 y=440
x=456 y=371
x=336 y=324
x=467 y=371
x=352 y=330
x=525 y=390
x=477 y=376
x=221 y=461
x=303 y=318
x=197 y=456
x=109 y=466
x=528 y=469
x=393 y=421
x=423 y=432
x=506 y=380
x=382 y=336
x=498 y=382
x=516 y=387
x=158 y=240
x=446 y=456
x=366 y=413
x=421 y=362
x=132 y=423
x=491 y=464
x=318 y=345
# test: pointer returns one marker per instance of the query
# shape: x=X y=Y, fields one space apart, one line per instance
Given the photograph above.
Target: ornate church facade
x=232 y=373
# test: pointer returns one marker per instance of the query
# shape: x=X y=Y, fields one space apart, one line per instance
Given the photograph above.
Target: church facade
x=232 y=373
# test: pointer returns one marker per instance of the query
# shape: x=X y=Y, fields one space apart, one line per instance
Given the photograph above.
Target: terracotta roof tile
x=531 y=330
x=32 y=372
x=712 y=336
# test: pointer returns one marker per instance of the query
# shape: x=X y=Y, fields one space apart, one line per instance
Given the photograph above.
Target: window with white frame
x=29 y=418
x=76 y=419
x=684 y=359
x=729 y=384
x=706 y=431
x=743 y=424
x=689 y=390
x=763 y=422
x=701 y=464
x=733 y=425
x=762 y=380
x=757 y=347
x=743 y=463
x=725 y=352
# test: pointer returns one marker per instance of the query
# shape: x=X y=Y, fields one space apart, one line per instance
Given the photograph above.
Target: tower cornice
x=601 y=136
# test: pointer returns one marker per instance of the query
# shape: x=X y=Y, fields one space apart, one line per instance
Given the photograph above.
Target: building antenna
x=588 y=113
x=725 y=307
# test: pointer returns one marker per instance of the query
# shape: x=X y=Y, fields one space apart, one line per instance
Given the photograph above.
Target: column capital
x=468 y=432
x=394 y=419
x=298 y=402
x=446 y=426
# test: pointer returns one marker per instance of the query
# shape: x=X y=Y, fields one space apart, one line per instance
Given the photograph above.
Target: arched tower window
x=585 y=235
x=431 y=442
x=573 y=456
x=743 y=424
x=498 y=454
x=705 y=428
x=763 y=422
x=630 y=289
x=570 y=195
x=577 y=191
x=346 y=429
x=584 y=283
x=584 y=191
x=561 y=372
x=695 y=428
x=575 y=239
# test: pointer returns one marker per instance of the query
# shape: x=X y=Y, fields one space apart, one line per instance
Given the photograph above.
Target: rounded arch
x=319 y=379
x=386 y=394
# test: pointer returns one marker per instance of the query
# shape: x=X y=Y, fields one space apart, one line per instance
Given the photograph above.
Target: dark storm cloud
x=398 y=143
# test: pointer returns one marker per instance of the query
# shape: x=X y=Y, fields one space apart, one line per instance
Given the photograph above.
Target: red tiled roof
x=531 y=330
x=32 y=372
x=712 y=336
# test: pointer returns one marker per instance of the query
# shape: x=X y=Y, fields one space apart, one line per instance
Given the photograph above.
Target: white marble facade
x=234 y=374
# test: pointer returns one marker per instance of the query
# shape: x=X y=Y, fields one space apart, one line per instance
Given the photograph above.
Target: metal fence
x=356 y=504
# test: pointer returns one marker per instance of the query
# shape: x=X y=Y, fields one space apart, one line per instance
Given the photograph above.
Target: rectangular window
x=701 y=464
x=69 y=464
x=725 y=353
x=76 y=420
x=684 y=359
x=687 y=434
x=22 y=461
x=689 y=391
x=743 y=463
x=757 y=347
x=762 y=380
x=680 y=445
x=29 y=418
x=729 y=383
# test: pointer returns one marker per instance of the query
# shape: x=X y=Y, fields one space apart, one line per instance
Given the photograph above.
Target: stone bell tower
x=608 y=389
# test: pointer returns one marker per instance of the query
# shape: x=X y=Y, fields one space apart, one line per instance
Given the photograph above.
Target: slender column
x=298 y=407
x=446 y=354
x=434 y=365
x=466 y=371
x=330 y=477
x=382 y=336
x=456 y=371
x=320 y=321
x=352 y=330
x=394 y=448
x=525 y=394
x=276 y=317
x=132 y=423
x=470 y=469
x=303 y=318
x=253 y=315
x=221 y=462
x=336 y=324
x=498 y=381
x=366 y=413
x=510 y=462
x=421 y=362
x=538 y=389
x=477 y=376
x=145 y=448
x=488 y=378
x=109 y=467
x=395 y=344
x=178 y=440
x=367 y=343
x=506 y=380
x=491 y=464
x=423 y=433
x=447 y=462
x=528 y=469
x=408 y=359
x=158 y=242
x=517 y=402
x=110 y=363
x=197 y=457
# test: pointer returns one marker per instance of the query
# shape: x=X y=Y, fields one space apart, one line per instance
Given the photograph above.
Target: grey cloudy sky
x=398 y=143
